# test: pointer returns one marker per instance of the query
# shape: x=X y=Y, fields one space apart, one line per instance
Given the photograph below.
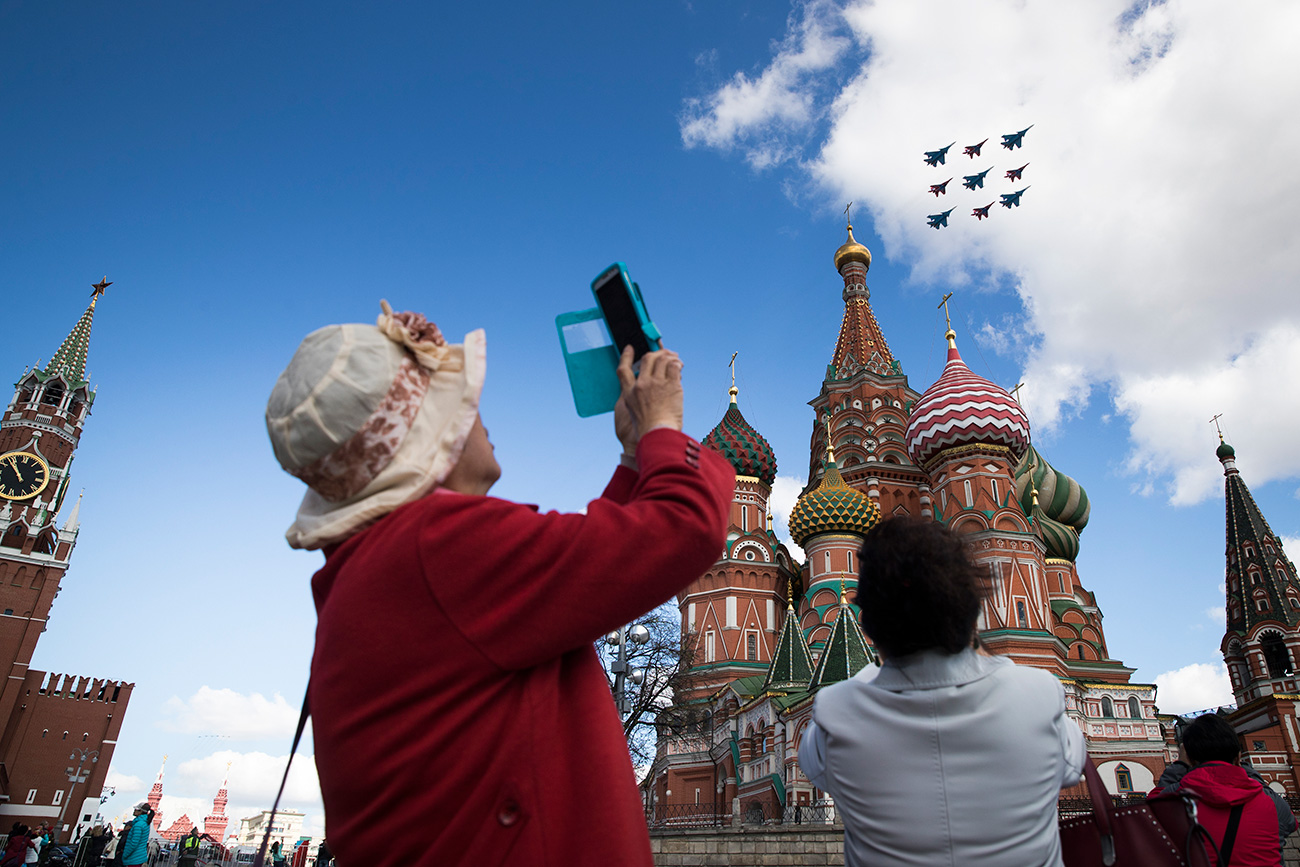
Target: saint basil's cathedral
x=762 y=633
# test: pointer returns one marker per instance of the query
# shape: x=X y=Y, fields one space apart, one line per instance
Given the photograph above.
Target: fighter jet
x=940 y=189
x=938 y=221
x=935 y=158
x=1014 y=174
x=1012 y=200
x=973 y=151
x=970 y=182
x=1013 y=141
x=981 y=213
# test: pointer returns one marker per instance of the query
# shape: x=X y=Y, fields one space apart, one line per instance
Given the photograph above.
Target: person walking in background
x=1245 y=818
x=134 y=846
x=946 y=755
x=478 y=613
x=95 y=846
x=323 y=856
x=20 y=843
x=111 y=854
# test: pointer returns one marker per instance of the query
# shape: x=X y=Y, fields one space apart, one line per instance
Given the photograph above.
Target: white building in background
x=287 y=828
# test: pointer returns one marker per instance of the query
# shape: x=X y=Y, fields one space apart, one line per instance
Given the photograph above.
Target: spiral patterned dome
x=832 y=507
x=1062 y=541
x=1061 y=497
x=744 y=447
x=963 y=408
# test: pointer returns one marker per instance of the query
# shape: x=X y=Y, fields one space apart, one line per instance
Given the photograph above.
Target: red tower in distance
x=214 y=824
x=155 y=796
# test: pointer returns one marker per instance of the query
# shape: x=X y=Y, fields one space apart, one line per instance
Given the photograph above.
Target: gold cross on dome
x=732 y=365
x=1215 y=421
x=847 y=216
x=943 y=302
x=1015 y=392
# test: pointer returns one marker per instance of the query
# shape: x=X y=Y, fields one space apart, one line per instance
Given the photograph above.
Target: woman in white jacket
x=945 y=755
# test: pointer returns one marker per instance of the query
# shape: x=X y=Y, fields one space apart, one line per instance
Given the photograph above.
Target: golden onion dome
x=852 y=251
x=832 y=507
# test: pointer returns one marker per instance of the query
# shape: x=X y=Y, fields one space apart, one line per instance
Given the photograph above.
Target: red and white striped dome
x=964 y=409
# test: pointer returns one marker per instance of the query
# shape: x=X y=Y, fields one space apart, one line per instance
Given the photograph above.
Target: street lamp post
x=75 y=776
x=623 y=672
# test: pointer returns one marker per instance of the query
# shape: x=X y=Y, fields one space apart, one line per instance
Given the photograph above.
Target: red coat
x=1218 y=787
x=460 y=714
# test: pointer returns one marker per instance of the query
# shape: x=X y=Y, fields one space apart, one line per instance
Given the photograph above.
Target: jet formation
x=936 y=158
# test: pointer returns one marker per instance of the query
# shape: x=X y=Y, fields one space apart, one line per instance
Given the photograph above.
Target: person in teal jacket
x=135 y=838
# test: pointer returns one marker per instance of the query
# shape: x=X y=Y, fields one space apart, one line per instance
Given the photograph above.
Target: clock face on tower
x=22 y=475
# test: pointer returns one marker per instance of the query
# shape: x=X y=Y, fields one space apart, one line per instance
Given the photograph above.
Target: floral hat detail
x=372 y=417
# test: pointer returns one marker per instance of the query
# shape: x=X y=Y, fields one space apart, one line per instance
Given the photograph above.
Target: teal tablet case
x=591 y=361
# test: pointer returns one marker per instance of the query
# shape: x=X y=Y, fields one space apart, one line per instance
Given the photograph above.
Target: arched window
x=1134 y=708
x=1079 y=650
x=1123 y=778
x=1276 y=656
x=53 y=393
x=1107 y=706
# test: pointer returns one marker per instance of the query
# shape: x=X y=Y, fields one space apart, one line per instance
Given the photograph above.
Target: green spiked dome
x=744 y=447
x=832 y=507
x=1061 y=497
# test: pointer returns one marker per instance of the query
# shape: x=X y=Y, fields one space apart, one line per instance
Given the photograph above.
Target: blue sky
x=245 y=173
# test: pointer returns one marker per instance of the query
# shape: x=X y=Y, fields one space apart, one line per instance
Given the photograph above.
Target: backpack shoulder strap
x=1230 y=835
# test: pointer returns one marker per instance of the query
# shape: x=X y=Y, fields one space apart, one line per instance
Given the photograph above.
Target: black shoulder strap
x=1230 y=835
x=297 y=736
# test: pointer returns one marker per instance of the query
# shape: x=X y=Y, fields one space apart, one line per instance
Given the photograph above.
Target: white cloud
x=227 y=713
x=785 y=492
x=1194 y=687
x=781 y=100
x=1155 y=253
x=1291 y=546
x=124 y=783
x=1216 y=614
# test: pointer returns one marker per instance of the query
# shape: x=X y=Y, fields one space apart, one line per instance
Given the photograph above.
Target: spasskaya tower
x=59 y=731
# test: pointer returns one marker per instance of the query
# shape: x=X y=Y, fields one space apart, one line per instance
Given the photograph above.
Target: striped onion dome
x=1061 y=497
x=963 y=408
x=744 y=447
x=832 y=507
x=1062 y=540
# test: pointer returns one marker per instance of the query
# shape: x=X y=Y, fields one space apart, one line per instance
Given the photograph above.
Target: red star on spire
x=99 y=287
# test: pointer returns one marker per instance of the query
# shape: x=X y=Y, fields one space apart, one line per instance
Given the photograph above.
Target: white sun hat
x=372 y=417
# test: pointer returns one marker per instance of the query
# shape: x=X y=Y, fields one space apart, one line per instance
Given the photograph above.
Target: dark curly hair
x=917 y=589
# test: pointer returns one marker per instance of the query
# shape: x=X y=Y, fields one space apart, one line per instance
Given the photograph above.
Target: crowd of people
x=487 y=733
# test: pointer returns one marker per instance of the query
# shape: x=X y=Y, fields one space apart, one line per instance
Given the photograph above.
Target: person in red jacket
x=1233 y=806
x=461 y=715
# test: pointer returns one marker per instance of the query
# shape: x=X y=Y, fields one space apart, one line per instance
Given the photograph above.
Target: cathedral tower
x=865 y=399
x=1262 y=641
x=732 y=614
x=214 y=824
x=42 y=717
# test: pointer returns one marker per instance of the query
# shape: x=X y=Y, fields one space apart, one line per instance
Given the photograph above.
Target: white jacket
x=945 y=759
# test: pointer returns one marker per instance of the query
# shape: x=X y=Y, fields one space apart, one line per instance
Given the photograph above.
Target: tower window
x=993 y=483
x=1079 y=650
x=1020 y=612
x=1107 y=706
x=751 y=646
x=709 y=647
x=1134 y=708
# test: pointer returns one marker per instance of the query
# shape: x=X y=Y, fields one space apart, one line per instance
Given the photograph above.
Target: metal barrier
x=685 y=816
x=809 y=814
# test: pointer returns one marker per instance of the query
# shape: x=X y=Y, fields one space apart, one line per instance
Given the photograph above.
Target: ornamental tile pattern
x=744 y=447
x=833 y=506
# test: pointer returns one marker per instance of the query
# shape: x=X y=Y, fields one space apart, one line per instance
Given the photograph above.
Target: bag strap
x=1230 y=835
x=1101 y=807
x=297 y=736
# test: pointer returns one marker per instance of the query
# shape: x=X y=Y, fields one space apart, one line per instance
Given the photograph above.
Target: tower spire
x=733 y=391
x=861 y=343
x=70 y=358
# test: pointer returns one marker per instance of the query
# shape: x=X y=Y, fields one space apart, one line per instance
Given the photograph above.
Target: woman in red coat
x=1235 y=809
x=460 y=713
